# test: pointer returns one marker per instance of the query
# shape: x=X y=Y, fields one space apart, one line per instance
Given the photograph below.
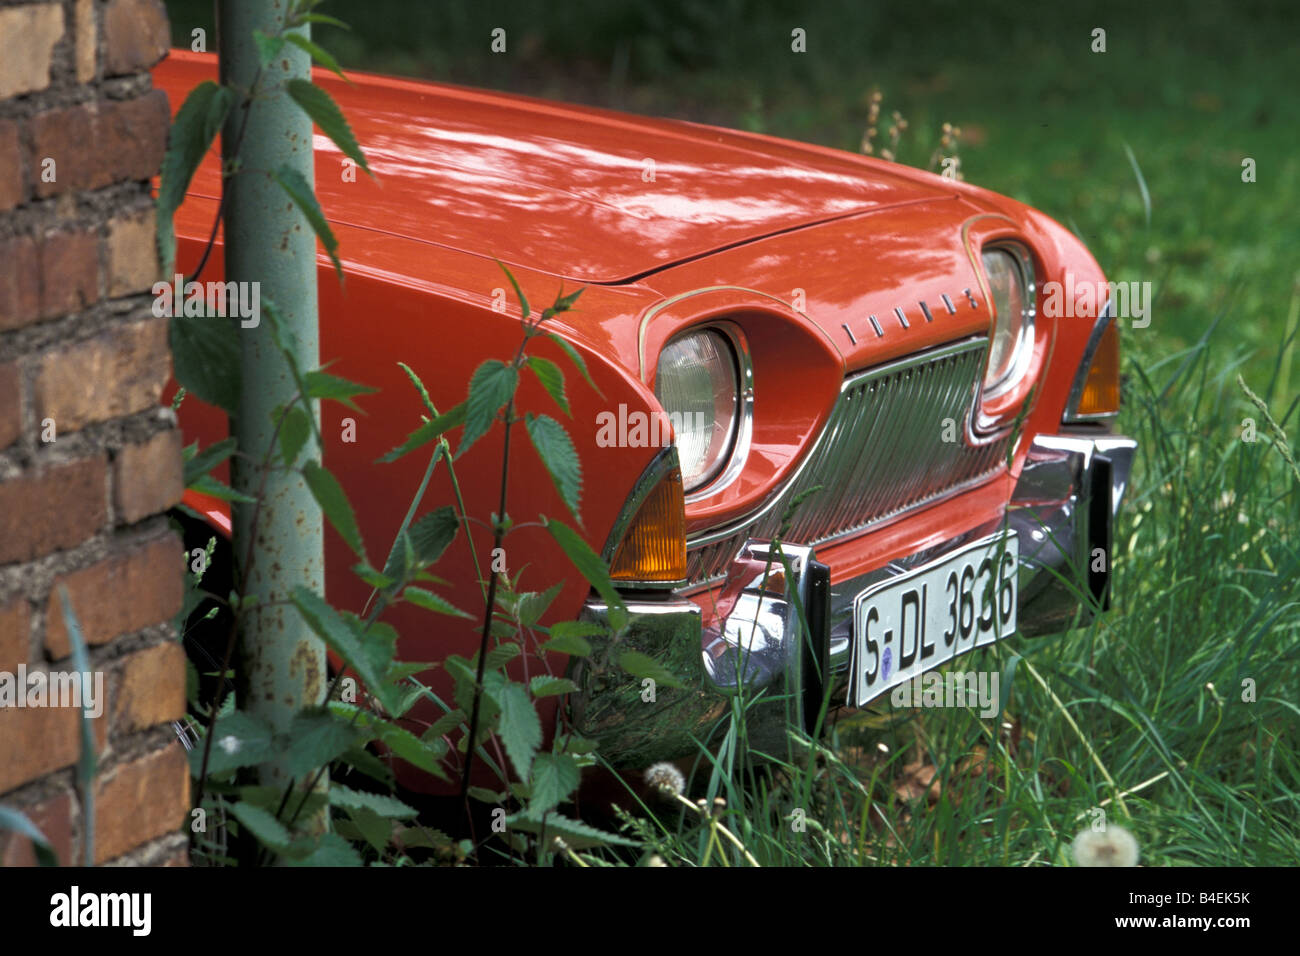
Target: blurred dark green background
x=1191 y=89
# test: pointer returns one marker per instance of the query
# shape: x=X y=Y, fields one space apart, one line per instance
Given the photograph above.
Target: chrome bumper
x=1063 y=509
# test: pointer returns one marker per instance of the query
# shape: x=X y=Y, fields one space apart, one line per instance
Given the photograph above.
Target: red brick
x=132 y=254
x=148 y=478
x=152 y=688
x=136 y=35
x=69 y=264
x=11 y=404
x=20 y=283
x=84 y=17
x=51 y=509
x=143 y=800
x=119 y=372
x=96 y=144
x=30 y=32
x=119 y=595
x=35 y=741
x=14 y=626
x=53 y=817
x=11 y=167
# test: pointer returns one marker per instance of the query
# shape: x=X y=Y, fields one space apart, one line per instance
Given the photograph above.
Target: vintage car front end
x=948 y=495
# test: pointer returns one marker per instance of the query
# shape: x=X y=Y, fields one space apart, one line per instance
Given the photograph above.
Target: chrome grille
x=880 y=455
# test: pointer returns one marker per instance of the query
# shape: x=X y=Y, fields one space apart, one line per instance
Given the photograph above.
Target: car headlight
x=697 y=386
x=1011 y=285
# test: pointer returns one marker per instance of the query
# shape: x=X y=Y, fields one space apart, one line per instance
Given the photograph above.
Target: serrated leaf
x=372 y=577
x=412 y=749
x=530 y=606
x=492 y=385
x=316 y=53
x=555 y=777
x=344 y=637
x=238 y=740
x=334 y=505
x=428 y=432
x=565 y=302
x=575 y=357
x=568 y=644
x=589 y=565
x=268 y=47
x=484 y=795
x=315 y=738
x=300 y=191
x=552 y=379
x=329 y=850
x=642 y=666
x=294 y=432
x=544 y=685
x=262 y=824
x=577 y=835
x=366 y=825
x=519 y=727
x=324 y=385
x=205 y=358
x=501 y=655
x=444 y=724
x=432 y=602
x=556 y=450
x=192 y=132
x=432 y=533
x=385 y=806
x=320 y=106
x=203 y=462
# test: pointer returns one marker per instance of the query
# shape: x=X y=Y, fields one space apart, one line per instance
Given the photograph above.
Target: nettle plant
x=491 y=718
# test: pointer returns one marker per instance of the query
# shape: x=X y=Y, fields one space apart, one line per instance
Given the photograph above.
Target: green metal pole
x=268 y=241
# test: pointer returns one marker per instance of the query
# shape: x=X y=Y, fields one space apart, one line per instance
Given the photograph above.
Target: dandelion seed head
x=1109 y=846
x=666 y=777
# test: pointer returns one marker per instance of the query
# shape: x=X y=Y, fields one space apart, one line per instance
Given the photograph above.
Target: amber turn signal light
x=1100 y=395
x=653 y=551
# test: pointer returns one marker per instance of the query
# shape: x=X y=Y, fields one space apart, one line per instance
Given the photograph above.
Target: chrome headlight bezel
x=723 y=467
x=1022 y=348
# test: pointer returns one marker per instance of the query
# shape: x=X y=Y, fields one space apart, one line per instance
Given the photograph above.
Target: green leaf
x=530 y=606
x=294 y=431
x=568 y=644
x=204 y=461
x=420 y=753
x=329 y=850
x=205 y=358
x=323 y=18
x=444 y=724
x=15 y=820
x=432 y=602
x=544 y=685
x=642 y=666
x=366 y=825
x=590 y=566
x=391 y=807
x=268 y=47
x=262 y=824
x=301 y=193
x=192 y=132
x=523 y=299
x=324 y=385
x=344 y=636
x=320 y=106
x=519 y=727
x=419 y=387
x=372 y=577
x=432 y=533
x=492 y=385
x=316 y=53
x=314 y=739
x=335 y=505
x=238 y=740
x=207 y=485
x=501 y=655
x=428 y=432
x=577 y=835
x=575 y=357
x=552 y=379
x=555 y=777
x=555 y=448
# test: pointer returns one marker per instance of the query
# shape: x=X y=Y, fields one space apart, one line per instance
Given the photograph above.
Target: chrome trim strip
x=901 y=317
x=925 y=310
x=880 y=334
x=947 y=304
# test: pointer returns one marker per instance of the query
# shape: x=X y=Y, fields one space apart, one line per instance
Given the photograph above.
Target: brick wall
x=83 y=362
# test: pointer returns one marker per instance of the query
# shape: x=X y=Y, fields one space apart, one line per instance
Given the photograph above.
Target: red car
x=928 y=370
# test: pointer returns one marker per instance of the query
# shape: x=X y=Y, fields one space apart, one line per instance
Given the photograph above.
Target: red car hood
x=587 y=194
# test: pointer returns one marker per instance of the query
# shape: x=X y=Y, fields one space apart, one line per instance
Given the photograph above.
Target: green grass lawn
x=1141 y=714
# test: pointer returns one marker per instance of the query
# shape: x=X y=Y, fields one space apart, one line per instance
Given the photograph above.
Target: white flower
x=1109 y=846
x=666 y=777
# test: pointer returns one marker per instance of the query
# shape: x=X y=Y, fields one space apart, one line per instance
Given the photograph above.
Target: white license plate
x=914 y=622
